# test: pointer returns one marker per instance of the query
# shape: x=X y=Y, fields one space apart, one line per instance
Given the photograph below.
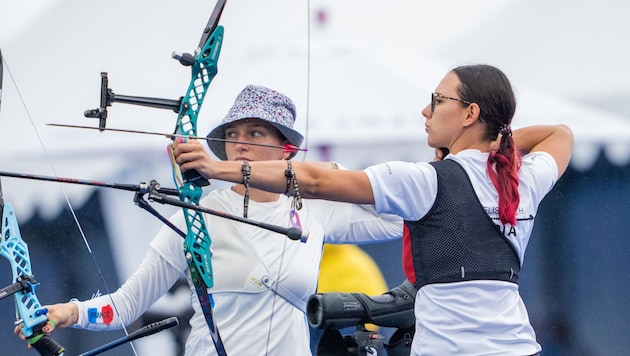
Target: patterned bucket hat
x=257 y=102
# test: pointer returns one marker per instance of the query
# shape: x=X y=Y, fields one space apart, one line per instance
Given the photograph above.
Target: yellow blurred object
x=349 y=269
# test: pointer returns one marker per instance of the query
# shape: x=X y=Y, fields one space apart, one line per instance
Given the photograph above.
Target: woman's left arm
x=556 y=140
x=314 y=181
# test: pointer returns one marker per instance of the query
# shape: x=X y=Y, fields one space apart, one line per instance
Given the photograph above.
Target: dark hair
x=488 y=87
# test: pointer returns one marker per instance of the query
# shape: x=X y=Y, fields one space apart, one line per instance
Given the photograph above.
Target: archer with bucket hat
x=262 y=280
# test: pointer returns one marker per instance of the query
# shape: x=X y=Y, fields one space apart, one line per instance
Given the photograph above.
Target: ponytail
x=491 y=90
x=503 y=166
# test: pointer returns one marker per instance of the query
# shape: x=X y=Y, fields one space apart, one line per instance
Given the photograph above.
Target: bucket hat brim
x=257 y=102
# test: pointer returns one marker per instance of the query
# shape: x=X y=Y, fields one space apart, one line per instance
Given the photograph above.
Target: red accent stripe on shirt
x=407 y=256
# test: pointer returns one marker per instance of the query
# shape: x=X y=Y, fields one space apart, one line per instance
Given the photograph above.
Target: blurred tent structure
x=360 y=72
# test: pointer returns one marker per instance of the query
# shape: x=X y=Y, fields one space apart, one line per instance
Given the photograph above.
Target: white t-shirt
x=251 y=318
x=473 y=317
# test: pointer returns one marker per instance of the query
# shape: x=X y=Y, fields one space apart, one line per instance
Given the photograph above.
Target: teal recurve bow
x=203 y=63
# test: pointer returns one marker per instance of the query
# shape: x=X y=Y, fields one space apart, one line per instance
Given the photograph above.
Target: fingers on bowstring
x=440 y=153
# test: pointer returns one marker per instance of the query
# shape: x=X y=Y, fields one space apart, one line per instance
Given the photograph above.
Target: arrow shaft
x=172 y=136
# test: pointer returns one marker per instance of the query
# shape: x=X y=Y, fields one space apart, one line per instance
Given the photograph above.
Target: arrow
x=286 y=148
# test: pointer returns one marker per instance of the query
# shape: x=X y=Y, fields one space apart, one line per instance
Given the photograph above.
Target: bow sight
x=108 y=97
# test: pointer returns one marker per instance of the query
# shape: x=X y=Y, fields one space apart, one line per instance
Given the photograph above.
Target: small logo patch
x=103 y=316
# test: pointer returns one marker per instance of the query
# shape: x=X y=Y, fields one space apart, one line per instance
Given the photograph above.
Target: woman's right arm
x=148 y=283
x=556 y=140
x=155 y=276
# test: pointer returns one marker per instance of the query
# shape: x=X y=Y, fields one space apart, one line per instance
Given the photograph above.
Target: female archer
x=467 y=218
x=262 y=280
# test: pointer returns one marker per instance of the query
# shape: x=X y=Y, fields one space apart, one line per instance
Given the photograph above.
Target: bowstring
x=308 y=77
x=308 y=97
x=65 y=195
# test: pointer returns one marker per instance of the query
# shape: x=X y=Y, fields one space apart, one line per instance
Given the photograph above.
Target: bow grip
x=43 y=343
x=194 y=177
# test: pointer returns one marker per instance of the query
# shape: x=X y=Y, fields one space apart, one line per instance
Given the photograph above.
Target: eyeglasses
x=436 y=95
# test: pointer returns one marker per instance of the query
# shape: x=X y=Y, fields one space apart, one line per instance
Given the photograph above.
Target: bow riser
x=14 y=249
x=197 y=243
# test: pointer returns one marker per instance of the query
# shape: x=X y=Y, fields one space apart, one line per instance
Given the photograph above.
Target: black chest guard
x=457 y=241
